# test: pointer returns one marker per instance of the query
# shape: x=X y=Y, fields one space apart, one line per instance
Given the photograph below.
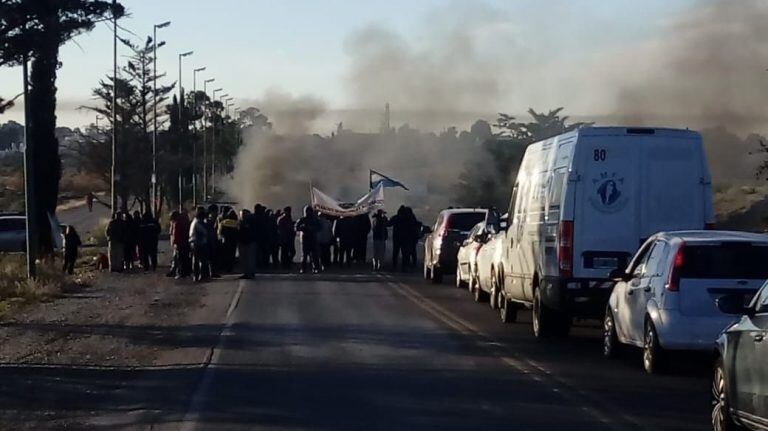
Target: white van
x=583 y=203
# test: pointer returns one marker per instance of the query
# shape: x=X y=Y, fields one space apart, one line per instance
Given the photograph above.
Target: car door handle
x=758 y=337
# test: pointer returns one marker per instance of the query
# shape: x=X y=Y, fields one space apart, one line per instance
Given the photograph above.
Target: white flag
x=328 y=205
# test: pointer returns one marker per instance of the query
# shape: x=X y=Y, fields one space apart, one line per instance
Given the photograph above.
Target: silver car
x=13 y=233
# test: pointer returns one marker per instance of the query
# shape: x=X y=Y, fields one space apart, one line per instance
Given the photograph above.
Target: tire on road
x=459 y=282
x=507 y=310
x=546 y=321
x=654 y=357
x=721 y=415
x=612 y=347
x=437 y=275
x=477 y=293
x=427 y=271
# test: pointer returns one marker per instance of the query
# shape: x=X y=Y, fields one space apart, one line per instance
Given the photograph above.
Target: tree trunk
x=42 y=134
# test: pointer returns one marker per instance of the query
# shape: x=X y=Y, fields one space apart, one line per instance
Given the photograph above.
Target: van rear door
x=676 y=191
x=607 y=194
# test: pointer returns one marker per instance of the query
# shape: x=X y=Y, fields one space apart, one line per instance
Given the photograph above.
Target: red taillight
x=565 y=249
x=709 y=226
x=673 y=284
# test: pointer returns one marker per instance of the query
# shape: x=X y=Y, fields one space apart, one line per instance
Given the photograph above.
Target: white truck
x=582 y=205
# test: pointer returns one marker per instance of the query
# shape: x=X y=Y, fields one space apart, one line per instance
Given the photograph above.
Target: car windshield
x=464 y=221
x=730 y=260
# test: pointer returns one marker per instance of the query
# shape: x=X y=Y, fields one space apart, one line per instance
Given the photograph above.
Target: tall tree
x=35 y=30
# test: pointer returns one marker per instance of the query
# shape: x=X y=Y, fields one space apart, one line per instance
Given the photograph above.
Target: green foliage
x=487 y=179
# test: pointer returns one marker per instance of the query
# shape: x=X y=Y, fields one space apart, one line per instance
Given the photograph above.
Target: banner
x=328 y=205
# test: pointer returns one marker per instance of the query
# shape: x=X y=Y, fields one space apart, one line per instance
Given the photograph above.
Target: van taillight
x=673 y=284
x=709 y=226
x=565 y=249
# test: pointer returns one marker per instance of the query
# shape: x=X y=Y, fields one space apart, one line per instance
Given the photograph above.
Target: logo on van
x=608 y=196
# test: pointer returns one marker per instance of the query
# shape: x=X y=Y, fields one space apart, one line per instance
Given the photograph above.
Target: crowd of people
x=220 y=240
x=215 y=239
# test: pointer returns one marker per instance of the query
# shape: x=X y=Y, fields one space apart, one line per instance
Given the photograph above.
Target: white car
x=467 y=255
x=667 y=297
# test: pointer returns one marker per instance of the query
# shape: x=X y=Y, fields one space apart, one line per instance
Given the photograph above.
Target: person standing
x=399 y=233
x=309 y=227
x=199 y=243
x=211 y=227
x=343 y=229
x=413 y=233
x=71 y=245
x=89 y=201
x=149 y=234
x=287 y=234
x=380 y=236
x=324 y=240
x=362 y=227
x=246 y=244
x=115 y=237
x=228 y=235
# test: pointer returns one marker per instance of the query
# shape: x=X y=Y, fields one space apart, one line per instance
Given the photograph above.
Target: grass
x=16 y=289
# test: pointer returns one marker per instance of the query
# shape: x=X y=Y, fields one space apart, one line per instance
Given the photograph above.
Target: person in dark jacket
x=261 y=236
x=362 y=227
x=229 y=237
x=380 y=236
x=211 y=226
x=246 y=244
x=287 y=237
x=413 y=233
x=399 y=224
x=309 y=227
x=149 y=234
x=272 y=240
x=71 y=245
x=343 y=229
x=116 y=236
x=131 y=238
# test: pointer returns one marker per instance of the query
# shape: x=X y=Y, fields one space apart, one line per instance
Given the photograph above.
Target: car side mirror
x=619 y=274
x=732 y=304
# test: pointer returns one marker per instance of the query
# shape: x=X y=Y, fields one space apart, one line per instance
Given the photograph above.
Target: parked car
x=13 y=233
x=466 y=257
x=442 y=245
x=740 y=375
x=666 y=299
x=582 y=204
x=485 y=285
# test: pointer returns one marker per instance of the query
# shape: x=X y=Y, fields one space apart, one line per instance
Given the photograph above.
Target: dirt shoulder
x=106 y=355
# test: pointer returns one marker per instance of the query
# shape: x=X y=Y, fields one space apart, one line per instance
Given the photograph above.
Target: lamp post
x=213 y=143
x=181 y=129
x=154 y=114
x=115 y=86
x=213 y=151
x=194 y=140
x=29 y=183
x=205 y=146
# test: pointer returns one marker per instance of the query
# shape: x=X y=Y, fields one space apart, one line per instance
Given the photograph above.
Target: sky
x=304 y=48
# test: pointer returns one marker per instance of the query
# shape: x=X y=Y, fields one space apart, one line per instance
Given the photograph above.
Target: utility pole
x=194 y=139
x=115 y=86
x=155 y=205
x=29 y=183
x=205 y=145
x=182 y=131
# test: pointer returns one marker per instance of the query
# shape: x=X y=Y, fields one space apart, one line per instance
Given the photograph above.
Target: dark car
x=13 y=233
x=442 y=245
x=740 y=377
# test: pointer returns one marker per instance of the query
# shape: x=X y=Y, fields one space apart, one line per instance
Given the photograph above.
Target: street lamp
x=181 y=128
x=205 y=145
x=154 y=114
x=194 y=141
x=213 y=143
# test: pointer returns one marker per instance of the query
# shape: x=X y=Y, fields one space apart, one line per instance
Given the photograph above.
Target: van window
x=513 y=200
x=727 y=260
x=556 y=193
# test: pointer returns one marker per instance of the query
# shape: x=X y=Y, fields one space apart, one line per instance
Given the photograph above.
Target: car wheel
x=507 y=310
x=493 y=298
x=548 y=322
x=478 y=293
x=611 y=343
x=437 y=275
x=653 y=354
x=427 y=271
x=721 y=415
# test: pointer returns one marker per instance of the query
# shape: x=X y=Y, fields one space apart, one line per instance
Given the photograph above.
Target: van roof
x=713 y=235
x=628 y=130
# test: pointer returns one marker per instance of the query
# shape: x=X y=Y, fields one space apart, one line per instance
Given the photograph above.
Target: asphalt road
x=370 y=352
x=82 y=219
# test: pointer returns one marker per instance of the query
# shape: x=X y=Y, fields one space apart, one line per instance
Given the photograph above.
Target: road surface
x=82 y=219
x=384 y=352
